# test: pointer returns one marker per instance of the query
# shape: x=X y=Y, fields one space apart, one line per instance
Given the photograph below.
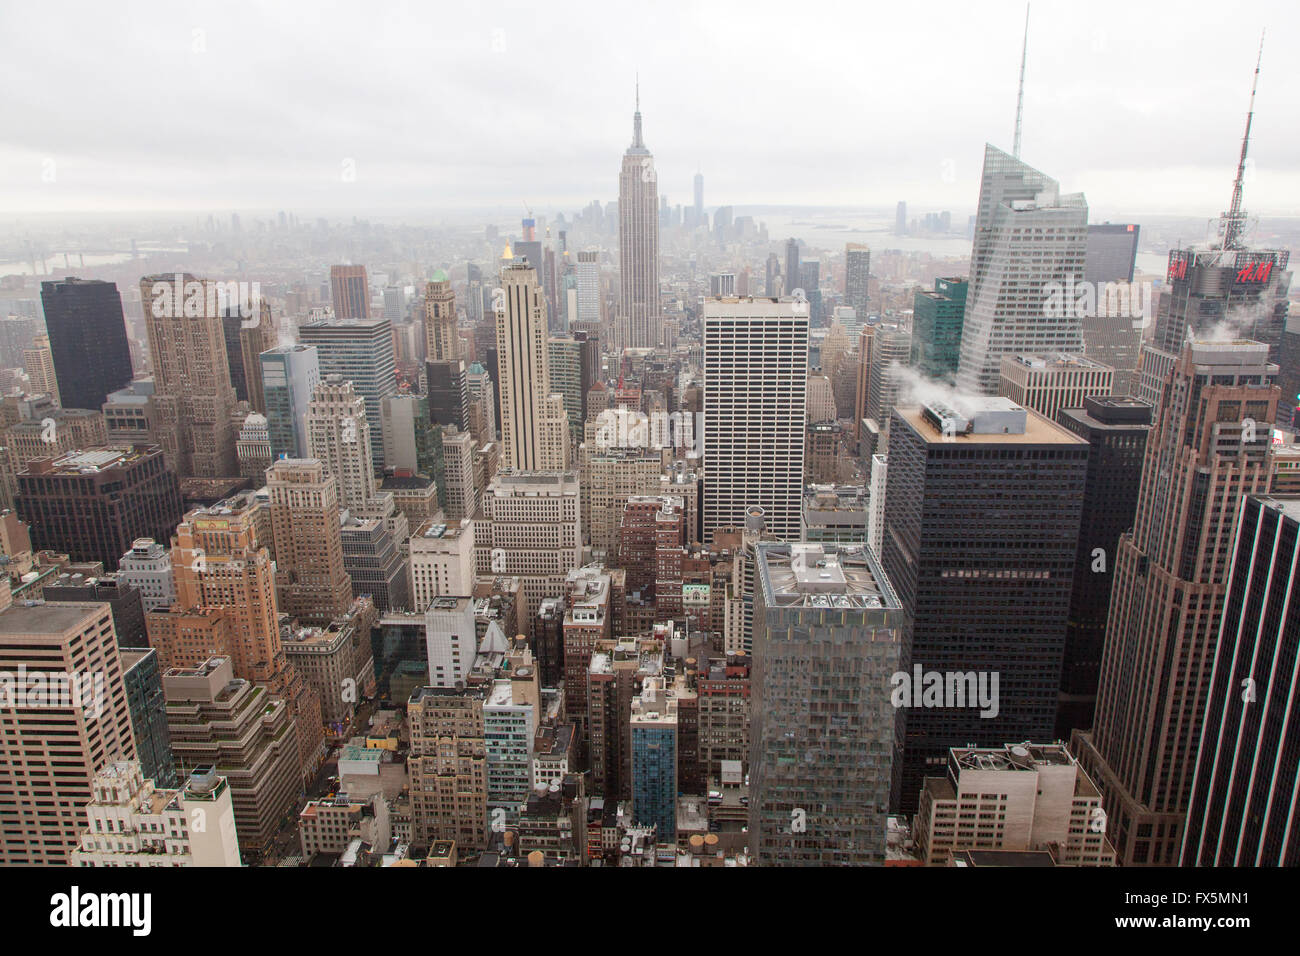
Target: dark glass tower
x=1247 y=769
x=982 y=512
x=87 y=340
x=1115 y=429
x=936 y=328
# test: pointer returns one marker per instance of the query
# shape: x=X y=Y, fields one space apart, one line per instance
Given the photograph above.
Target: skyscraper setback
x=1209 y=447
x=638 y=243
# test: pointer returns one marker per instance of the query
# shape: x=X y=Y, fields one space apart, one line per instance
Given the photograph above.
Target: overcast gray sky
x=215 y=106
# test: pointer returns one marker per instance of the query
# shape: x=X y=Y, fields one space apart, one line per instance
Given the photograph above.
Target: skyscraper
x=588 y=272
x=755 y=394
x=310 y=578
x=638 y=243
x=246 y=340
x=982 y=508
x=289 y=376
x=448 y=766
x=194 y=400
x=1210 y=446
x=827 y=631
x=1112 y=252
x=937 y=318
x=792 y=275
x=38 y=363
x=857 y=273
x=699 y=198
x=1242 y=805
x=1028 y=236
x=1227 y=283
x=83 y=318
x=52 y=746
x=534 y=425
x=1116 y=431
x=338 y=436
x=350 y=291
x=92 y=504
x=442 y=340
x=360 y=350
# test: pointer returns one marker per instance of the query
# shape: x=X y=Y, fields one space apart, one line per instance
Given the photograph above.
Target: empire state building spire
x=637 y=142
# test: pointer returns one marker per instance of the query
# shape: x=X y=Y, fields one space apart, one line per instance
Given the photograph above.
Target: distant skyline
x=201 y=107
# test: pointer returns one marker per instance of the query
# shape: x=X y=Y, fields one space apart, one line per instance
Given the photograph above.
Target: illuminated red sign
x=1255 y=271
x=1177 y=266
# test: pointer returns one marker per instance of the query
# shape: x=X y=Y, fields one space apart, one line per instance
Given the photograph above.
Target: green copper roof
x=477 y=369
x=438 y=276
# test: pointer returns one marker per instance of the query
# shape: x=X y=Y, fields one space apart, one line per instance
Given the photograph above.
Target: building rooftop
x=92 y=460
x=817 y=575
x=1037 y=430
x=1288 y=505
x=37 y=617
x=1054 y=360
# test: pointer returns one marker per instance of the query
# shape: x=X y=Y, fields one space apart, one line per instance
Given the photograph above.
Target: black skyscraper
x=87 y=340
x=982 y=513
x=1243 y=795
x=1116 y=431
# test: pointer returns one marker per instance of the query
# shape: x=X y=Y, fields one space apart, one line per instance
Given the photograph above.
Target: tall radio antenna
x=1020 y=97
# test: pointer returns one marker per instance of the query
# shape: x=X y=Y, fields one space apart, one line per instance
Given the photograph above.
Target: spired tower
x=639 y=322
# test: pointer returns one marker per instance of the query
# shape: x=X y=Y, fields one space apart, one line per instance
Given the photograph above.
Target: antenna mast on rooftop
x=1020 y=97
x=1233 y=222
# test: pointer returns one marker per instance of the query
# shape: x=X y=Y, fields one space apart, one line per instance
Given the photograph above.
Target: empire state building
x=639 y=322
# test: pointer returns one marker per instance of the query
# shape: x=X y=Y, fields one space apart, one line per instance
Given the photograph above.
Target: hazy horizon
x=195 y=108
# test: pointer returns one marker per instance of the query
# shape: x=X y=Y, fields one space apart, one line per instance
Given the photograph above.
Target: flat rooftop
x=1054 y=360
x=1012 y=757
x=816 y=575
x=41 y=618
x=1288 y=505
x=1038 y=431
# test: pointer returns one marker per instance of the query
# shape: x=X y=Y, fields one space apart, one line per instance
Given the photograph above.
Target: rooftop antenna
x=1233 y=222
x=636 y=118
x=1020 y=97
